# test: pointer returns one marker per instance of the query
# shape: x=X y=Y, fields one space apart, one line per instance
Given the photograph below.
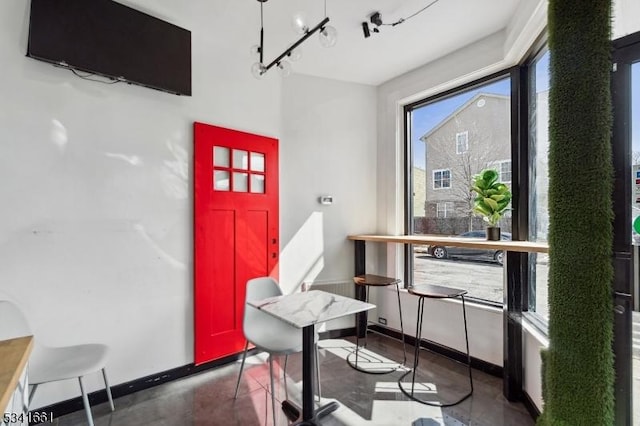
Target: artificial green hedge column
x=578 y=365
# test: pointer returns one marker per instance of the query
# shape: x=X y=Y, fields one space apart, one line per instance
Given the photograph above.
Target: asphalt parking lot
x=482 y=279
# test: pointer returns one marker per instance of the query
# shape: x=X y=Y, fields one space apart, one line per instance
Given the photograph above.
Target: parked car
x=443 y=252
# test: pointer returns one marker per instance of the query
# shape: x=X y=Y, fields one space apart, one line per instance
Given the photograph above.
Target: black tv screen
x=110 y=39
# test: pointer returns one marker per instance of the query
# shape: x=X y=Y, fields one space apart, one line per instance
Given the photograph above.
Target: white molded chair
x=51 y=364
x=269 y=334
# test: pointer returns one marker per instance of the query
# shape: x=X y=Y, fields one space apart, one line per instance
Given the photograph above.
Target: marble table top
x=310 y=307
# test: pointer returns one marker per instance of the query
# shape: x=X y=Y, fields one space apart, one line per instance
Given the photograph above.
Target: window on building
x=484 y=110
x=503 y=168
x=505 y=171
x=441 y=179
x=462 y=142
x=444 y=210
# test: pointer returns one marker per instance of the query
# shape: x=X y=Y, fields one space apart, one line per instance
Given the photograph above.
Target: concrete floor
x=207 y=398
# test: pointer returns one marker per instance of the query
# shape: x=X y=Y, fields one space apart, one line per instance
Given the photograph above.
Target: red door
x=236 y=231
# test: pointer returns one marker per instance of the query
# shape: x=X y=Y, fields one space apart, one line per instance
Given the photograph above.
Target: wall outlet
x=382 y=321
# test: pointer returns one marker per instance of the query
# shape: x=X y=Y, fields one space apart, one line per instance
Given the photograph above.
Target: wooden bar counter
x=517 y=246
x=14 y=354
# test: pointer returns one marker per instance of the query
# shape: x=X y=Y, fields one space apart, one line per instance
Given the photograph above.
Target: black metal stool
x=369 y=280
x=434 y=292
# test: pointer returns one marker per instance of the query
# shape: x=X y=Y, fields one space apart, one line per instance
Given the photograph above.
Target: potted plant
x=492 y=200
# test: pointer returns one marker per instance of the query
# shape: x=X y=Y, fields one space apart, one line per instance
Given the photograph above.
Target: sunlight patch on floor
x=367 y=360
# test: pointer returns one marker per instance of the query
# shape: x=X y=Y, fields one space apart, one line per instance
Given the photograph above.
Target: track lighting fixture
x=376 y=19
x=327 y=35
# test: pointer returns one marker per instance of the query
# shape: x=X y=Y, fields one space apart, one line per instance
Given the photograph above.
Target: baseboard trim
x=531 y=407
x=478 y=364
x=75 y=404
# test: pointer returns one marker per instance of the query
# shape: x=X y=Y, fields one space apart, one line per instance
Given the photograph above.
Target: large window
x=478 y=120
x=539 y=180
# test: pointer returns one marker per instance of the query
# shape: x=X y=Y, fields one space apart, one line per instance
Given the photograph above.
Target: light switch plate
x=326 y=200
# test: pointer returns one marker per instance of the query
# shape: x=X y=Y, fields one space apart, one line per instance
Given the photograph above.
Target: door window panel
x=240 y=159
x=240 y=182
x=257 y=162
x=257 y=184
x=221 y=180
x=220 y=156
x=246 y=168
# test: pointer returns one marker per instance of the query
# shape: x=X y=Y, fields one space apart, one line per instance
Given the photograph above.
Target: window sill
x=537 y=326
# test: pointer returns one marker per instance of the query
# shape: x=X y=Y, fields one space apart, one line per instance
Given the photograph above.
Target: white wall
x=328 y=147
x=443 y=323
x=625 y=17
x=96 y=193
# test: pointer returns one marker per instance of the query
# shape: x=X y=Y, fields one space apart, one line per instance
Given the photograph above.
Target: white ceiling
x=447 y=25
x=442 y=28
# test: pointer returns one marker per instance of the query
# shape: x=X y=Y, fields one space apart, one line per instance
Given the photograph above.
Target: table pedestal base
x=294 y=413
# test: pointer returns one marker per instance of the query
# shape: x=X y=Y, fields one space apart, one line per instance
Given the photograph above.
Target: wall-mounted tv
x=110 y=39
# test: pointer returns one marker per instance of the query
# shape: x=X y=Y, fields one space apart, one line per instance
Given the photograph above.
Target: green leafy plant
x=493 y=197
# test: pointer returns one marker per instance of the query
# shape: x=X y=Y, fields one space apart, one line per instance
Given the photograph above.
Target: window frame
x=433 y=179
x=448 y=207
x=466 y=142
x=530 y=285
x=497 y=165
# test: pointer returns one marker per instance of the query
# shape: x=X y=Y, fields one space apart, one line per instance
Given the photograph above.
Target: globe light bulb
x=299 y=23
x=284 y=68
x=328 y=36
x=295 y=54
x=257 y=70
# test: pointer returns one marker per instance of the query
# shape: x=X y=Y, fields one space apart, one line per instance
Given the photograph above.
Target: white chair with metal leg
x=52 y=364
x=270 y=334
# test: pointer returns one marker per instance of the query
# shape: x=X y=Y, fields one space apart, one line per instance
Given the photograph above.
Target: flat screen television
x=110 y=39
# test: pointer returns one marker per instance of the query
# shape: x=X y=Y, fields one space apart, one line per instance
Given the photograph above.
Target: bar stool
x=434 y=292
x=368 y=281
